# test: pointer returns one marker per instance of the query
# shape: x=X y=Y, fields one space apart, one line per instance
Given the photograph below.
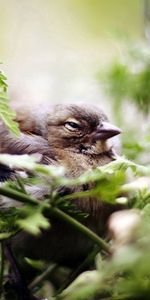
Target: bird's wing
x=23 y=144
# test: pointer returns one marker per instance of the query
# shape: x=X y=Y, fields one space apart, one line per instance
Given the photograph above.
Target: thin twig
x=41 y=277
x=21 y=288
x=19 y=196
x=2 y=260
x=78 y=270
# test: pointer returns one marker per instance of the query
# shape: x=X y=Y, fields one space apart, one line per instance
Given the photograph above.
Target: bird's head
x=79 y=128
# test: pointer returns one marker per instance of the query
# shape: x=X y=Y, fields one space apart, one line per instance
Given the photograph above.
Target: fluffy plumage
x=75 y=137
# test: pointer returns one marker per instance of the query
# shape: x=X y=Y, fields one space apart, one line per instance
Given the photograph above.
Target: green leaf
x=6 y=113
x=32 y=219
x=36 y=264
x=25 y=162
x=7 y=116
x=84 y=287
x=6 y=235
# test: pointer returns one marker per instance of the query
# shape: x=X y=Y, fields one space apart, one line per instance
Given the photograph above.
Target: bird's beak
x=105 y=131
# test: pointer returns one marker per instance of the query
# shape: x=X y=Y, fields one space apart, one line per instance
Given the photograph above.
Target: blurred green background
x=51 y=50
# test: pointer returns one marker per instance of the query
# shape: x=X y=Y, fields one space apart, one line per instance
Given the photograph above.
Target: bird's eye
x=72 y=126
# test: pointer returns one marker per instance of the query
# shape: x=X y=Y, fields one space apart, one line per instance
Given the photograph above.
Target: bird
x=75 y=136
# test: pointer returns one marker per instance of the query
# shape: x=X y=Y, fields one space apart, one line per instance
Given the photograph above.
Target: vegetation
x=6 y=113
x=121 y=266
x=127 y=82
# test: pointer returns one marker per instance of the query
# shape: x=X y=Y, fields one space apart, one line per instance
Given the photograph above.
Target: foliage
x=127 y=82
x=6 y=113
x=122 y=263
x=123 y=275
x=128 y=78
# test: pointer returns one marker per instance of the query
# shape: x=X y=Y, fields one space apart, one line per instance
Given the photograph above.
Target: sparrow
x=76 y=137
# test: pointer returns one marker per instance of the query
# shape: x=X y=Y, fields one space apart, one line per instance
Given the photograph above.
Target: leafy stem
x=54 y=211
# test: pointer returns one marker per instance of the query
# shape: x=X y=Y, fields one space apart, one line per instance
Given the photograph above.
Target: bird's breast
x=76 y=164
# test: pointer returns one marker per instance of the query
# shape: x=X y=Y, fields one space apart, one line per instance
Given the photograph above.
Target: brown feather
x=52 y=135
